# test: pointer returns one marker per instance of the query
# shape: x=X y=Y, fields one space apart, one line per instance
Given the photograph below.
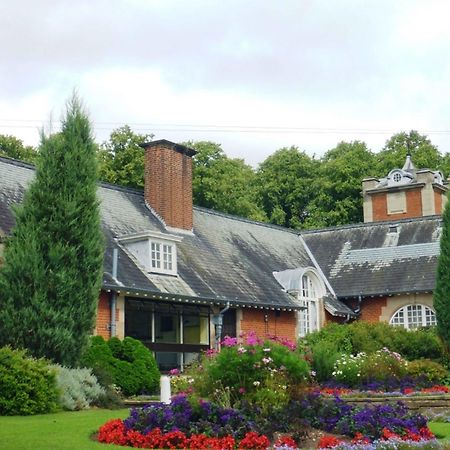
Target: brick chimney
x=168 y=182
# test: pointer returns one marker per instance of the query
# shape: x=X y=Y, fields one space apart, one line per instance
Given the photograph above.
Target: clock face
x=396 y=177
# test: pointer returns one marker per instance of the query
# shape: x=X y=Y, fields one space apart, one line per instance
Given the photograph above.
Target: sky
x=252 y=75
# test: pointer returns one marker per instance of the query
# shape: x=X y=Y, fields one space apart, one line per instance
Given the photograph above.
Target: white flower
x=256 y=383
x=267 y=360
x=266 y=349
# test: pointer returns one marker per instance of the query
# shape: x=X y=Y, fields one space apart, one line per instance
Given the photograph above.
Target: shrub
x=366 y=337
x=324 y=356
x=78 y=388
x=432 y=371
x=128 y=363
x=383 y=365
x=348 y=369
x=27 y=385
x=260 y=372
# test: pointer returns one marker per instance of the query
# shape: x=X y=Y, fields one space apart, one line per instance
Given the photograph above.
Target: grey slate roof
x=227 y=259
x=379 y=258
x=232 y=259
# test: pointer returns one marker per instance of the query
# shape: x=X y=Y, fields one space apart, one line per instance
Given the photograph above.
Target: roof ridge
x=17 y=162
x=214 y=212
x=371 y=224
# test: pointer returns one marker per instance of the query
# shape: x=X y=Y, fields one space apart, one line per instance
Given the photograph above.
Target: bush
x=78 y=388
x=27 y=385
x=128 y=364
x=432 y=371
x=348 y=369
x=262 y=373
x=383 y=365
x=324 y=356
x=366 y=337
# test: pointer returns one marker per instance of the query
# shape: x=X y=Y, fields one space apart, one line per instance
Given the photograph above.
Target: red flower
x=408 y=390
x=113 y=432
x=360 y=439
x=329 y=442
x=255 y=441
x=286 y=441
x=387 y=434
x=426 y=434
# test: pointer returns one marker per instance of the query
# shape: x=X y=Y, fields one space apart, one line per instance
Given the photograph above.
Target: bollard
x=165 y=389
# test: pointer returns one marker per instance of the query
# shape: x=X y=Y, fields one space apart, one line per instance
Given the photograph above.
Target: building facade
x=179 y=277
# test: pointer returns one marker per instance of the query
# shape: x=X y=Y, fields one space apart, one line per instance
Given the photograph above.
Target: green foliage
x=285 y=186
x=325 y=355
x=441 y=297
x=27 y=385
x=337 y=185
x=424 y=154
x=12 y=147
x=361 y=336
x=261 y=374
x=51 y=278
x=128 y=364
x=121 y=159
x=431 y=370
x=383 y=365
x=78 y=388
x=222 y=183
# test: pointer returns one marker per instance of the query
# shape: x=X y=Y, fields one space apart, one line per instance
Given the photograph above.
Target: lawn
x=71 y=430
x=440 y=429
x=60 y=431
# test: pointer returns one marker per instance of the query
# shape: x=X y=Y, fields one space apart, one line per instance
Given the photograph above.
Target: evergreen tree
x=442 y=291
x=50 y=281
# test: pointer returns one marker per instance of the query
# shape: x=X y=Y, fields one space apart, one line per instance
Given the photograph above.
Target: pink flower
x=241 y=390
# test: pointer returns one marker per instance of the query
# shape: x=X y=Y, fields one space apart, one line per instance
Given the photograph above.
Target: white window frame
x=156 y=252
x=402 y=316
x=163 y=256
x=308 y=297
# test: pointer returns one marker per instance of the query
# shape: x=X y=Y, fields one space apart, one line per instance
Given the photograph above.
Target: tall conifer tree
x=50 y=281
x=442 y=291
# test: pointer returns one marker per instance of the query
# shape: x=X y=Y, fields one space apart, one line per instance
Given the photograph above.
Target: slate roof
x=228 y=259
x=379 y=258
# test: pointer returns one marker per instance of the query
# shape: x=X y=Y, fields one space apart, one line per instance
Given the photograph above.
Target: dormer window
x=162 y=257
x=156 y=252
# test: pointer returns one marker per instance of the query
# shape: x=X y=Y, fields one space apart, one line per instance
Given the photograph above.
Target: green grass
x=60 y=431
x=440 y=429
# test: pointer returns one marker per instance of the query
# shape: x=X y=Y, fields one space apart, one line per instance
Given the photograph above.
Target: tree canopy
x=13 y=147
x=289 y=188
x=50 y=280
x=121 y=159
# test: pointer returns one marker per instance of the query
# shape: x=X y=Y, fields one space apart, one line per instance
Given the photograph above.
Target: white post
x=165 y=389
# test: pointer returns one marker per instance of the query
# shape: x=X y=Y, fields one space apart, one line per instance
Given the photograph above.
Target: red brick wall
x=371 y=309
x=104 y=315
x=438 y=202
x=413 y=206
x=282 y=326
x=330 y=318
x=168 y=184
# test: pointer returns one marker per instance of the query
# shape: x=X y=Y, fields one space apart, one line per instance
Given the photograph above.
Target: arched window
x=307 y=318
x=414 y=316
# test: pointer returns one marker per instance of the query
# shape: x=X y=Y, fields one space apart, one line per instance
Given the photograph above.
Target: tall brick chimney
x=168 y=182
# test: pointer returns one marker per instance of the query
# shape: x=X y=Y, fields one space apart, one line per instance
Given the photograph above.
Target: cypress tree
x=442 y=291
x=49 y=284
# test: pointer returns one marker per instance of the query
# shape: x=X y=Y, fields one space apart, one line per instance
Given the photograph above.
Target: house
x=178 y=277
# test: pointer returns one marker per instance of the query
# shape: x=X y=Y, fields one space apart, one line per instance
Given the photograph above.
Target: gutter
x=114 y=294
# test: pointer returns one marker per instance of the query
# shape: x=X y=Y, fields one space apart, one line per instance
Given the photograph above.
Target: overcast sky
x=252 y=75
